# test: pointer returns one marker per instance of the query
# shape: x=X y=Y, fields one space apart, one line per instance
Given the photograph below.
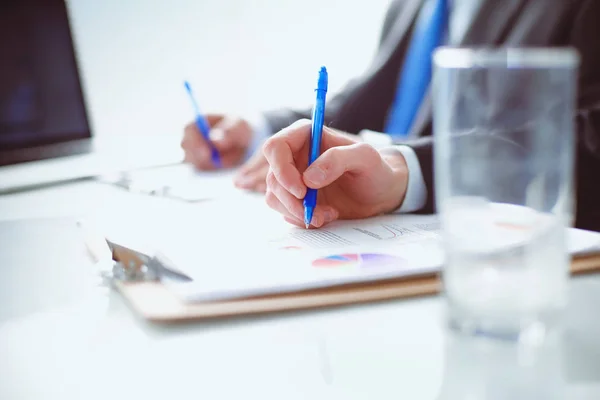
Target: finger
x=200 y=161
x=228 y=160
x=322 y=214
x=293 y=205
x=196 y=149
x=317 y=224
x=260 y=187
x=190 y=136
x=274 y=203
x=336 y=161
x=232 y=157
x=252 y=180
x=279 y=151
x=297 y=134
x=201 y=164
x=257 y=161
x=295 y=221
x=230 y=133
x=256 y=165
x=213 y=119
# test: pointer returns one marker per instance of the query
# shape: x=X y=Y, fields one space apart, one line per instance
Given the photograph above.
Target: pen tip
x=186 y=84
x=308 y=214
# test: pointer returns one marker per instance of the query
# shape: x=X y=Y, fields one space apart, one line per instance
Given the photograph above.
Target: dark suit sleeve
x=584 y=35
x=279 y=119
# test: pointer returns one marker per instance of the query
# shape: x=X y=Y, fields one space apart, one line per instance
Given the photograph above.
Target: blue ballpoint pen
x=203 y=127
x=318 y=118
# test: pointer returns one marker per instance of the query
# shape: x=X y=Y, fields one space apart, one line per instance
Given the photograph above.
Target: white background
x=241 y=56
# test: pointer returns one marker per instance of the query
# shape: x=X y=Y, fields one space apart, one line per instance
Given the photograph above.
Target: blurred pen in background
x=203 y=126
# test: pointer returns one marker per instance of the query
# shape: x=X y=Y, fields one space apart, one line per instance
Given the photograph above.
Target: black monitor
x=42 y=109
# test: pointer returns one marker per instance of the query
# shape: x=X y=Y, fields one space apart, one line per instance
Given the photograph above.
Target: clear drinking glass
x=503 y=162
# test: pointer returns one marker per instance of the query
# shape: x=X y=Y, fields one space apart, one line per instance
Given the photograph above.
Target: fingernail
x=328 y=215
x=297 y=191
x=315 y=175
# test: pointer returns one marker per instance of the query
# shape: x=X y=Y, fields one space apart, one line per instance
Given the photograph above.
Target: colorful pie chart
x=363 y=260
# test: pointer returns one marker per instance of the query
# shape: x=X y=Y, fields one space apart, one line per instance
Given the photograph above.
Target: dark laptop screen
x=41 y=100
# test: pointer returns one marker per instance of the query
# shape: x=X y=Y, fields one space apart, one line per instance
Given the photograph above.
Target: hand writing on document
x=354 y=179
x=231 y=136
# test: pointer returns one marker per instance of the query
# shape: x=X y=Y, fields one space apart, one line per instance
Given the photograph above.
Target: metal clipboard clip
x=125 y=180
x=119 y=263
x=128 y=181
x=131 y=265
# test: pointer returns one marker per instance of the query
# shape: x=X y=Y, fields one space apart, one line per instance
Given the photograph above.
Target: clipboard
x=154 y=302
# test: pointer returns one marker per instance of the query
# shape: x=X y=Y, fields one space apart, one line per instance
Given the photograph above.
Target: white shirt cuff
x=376 y=139
x=416 y=190
x=261 y=131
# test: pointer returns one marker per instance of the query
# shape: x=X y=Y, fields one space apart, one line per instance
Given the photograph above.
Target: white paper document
x=234 y=248
x=345 y=252
x=180 y=182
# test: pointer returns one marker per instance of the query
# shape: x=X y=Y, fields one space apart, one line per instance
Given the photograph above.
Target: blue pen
x=318 y=118
x=203 y=126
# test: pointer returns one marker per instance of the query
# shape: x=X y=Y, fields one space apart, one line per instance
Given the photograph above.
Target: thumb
x=336 y=161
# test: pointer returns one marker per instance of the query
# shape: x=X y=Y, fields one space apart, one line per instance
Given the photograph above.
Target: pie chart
x=363 y=260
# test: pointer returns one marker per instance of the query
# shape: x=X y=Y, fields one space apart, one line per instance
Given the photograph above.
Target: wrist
x=399 y=172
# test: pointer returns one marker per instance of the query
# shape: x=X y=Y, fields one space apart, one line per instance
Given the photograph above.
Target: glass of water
x=503 y=162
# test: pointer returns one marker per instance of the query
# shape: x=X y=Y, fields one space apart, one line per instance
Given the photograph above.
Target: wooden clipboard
x=154 y=302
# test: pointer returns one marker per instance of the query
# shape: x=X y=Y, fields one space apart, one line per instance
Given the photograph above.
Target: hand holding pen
x=203 y=127
x=234 y=138
x=213 y=140
x=353 y=179
x=318 y=119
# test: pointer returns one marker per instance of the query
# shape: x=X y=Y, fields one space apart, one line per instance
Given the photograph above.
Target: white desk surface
x=63 y=335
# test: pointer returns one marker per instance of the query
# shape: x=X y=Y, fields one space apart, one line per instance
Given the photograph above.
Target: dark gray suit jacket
x=365 y=101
